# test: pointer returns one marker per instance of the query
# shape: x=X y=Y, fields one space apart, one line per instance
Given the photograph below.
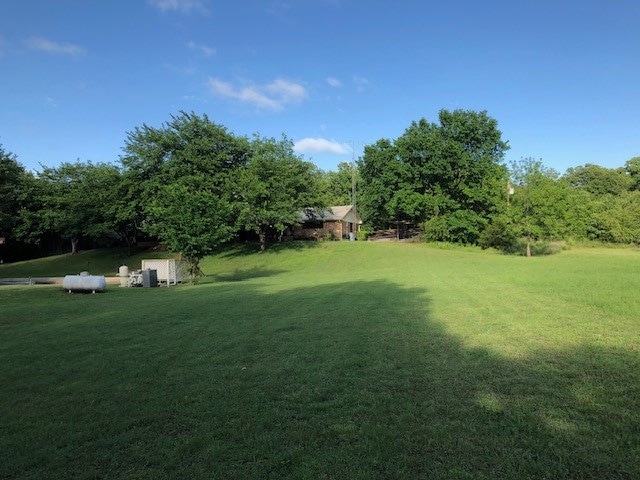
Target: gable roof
x=341 y=211
x=337 y=213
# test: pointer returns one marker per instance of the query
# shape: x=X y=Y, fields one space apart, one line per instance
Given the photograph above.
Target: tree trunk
x=528 y=246
x=129 y=241
x=263 y=240
x=74 y=246
x=193 y=271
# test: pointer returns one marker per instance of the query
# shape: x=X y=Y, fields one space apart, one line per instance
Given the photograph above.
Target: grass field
x=344 y=360
x=96 y=262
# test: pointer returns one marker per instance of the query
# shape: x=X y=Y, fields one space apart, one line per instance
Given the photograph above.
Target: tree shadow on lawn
x=234 y=250
x=352 y=380
x=240 y=275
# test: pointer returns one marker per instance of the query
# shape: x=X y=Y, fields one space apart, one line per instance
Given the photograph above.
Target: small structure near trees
x=340 y=221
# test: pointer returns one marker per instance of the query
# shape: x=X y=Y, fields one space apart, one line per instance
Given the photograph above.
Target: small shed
x=169 y=271
x=339 y=220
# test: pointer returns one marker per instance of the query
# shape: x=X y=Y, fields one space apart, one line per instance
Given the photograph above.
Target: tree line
x=194 y=185
x=449 y=179
x=190 y=183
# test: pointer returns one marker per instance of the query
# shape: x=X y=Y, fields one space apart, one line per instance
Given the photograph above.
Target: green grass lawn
x=96 y=262
x=347 y=360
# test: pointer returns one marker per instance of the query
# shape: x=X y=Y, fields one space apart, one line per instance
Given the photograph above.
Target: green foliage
x=447 y=176
x=499 y=234
x=617 y=218
x=543 y=207
x=458 y=226
x=76 y=199
x=21 y=201
x=632 y=167
x=363 y=235
x=11 y=190
x=166 y=173
x=331 y=237
x=598 y=180
x=383 y=175
x=190 y=222
x=189 y=150
x=337 y=186
x=436 y=229
x=274 y=187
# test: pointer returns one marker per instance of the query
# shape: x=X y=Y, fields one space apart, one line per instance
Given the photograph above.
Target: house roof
x=333 y=213
x=341 y=211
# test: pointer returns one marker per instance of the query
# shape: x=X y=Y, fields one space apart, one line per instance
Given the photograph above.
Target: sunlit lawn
x=343 y=360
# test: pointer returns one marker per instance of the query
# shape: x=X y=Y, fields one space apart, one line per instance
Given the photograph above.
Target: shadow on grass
x=246 y=274
x=353 y=380
x=244 y=249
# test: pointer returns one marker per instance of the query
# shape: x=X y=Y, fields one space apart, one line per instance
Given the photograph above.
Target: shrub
x=538 y=247
x=460 y=226
x=499 y=234
x=436 y=229
x=331 y=237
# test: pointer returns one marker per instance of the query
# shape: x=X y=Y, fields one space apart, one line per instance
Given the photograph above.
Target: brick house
x=341 y=221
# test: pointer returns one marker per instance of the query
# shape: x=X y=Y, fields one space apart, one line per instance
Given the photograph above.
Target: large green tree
x=76 y=200
x=189 y=151
x=616 y=218
x=191 y=221
x=632 y=167
x=543 y=206
x=449 y=175
x=13 y=178
x=275 y=187
x=383 y=175
x=599 y=180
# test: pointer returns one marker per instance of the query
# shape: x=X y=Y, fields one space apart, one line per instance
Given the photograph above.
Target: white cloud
x=334 y=82
x=273 y=96
x=286 y=91
x=202 y=49
x=360 y=82
x=49 y=46
x=320 y=145
x=183 y=6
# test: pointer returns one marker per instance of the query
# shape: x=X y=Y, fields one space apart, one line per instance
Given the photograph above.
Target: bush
x=461 y=226
x=499 y=234
x=331 y=237
x=436 y=229
x=362 y=235
x=538 y=247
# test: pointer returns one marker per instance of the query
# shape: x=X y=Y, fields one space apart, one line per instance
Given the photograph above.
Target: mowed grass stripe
x=335 y=361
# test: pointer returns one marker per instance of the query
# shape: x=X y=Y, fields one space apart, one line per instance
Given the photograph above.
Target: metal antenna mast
x=354 y=170
x=353 y=175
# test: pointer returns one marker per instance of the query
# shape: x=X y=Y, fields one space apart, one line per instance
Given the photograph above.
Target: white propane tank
x=123 y=273
x=84 y=283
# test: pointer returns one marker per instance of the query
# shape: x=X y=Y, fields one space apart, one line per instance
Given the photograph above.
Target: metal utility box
x=170 y=271
x=149 y=278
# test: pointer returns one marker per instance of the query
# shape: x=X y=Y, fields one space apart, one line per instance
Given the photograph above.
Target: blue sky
x=562 y=78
